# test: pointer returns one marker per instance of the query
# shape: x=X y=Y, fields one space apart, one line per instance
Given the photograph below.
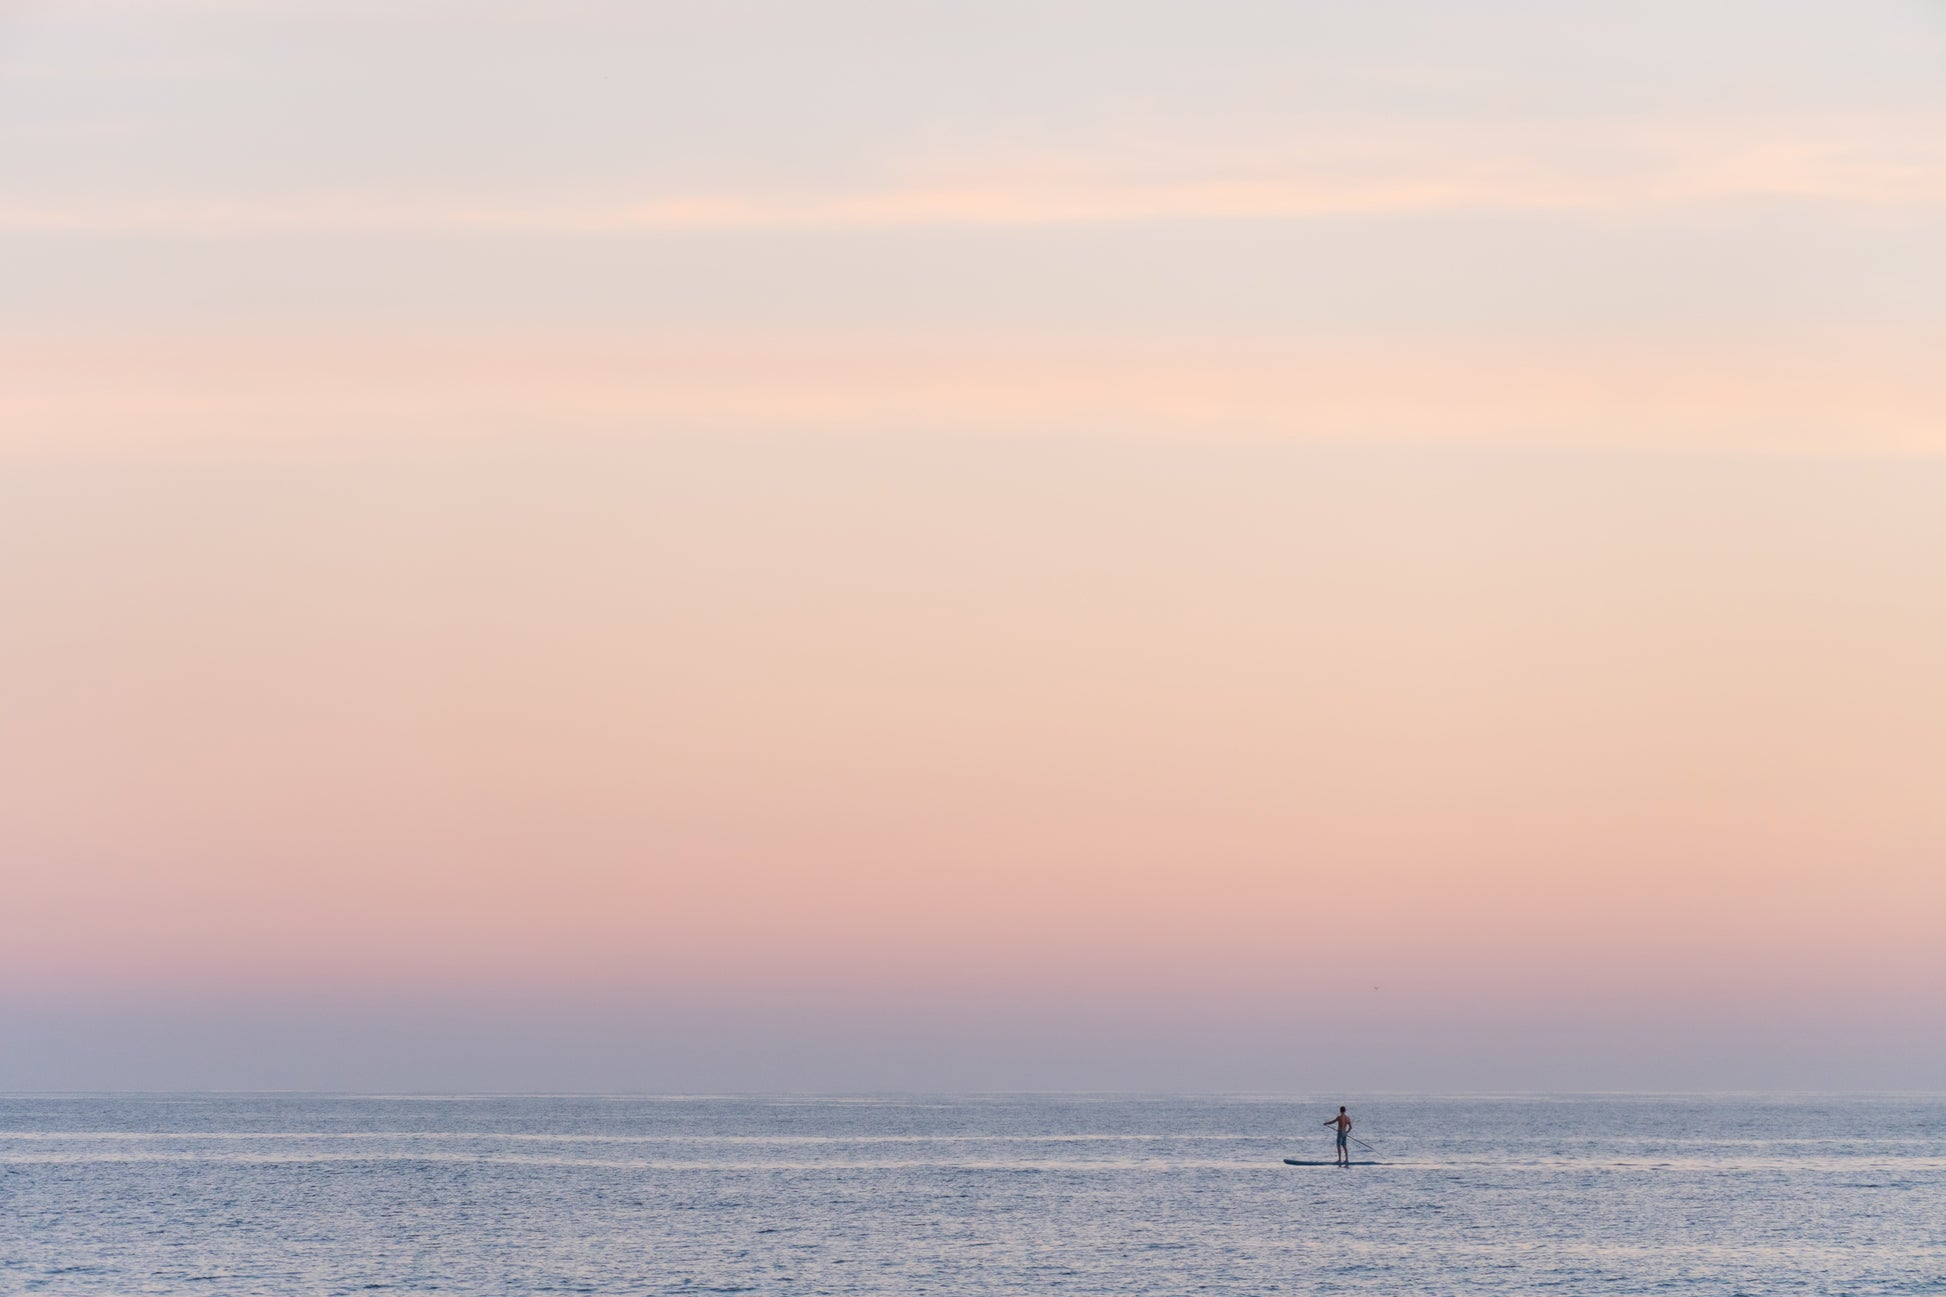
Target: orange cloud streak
x=1809 y=391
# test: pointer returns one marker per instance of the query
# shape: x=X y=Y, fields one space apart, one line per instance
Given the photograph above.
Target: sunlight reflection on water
x=1085 y=1194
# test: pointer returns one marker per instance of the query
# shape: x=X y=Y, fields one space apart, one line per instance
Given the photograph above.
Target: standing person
x=1343 y=1122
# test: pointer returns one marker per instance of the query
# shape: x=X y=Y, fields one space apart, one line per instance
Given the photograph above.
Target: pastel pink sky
x=1091 y=546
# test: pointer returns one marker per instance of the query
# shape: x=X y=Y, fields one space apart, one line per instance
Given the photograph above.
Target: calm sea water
x=287 y=1194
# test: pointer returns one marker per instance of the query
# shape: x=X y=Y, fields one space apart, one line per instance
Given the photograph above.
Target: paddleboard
x=1292 y=1161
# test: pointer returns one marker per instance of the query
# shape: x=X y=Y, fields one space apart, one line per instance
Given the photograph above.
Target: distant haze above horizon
x=894 y=546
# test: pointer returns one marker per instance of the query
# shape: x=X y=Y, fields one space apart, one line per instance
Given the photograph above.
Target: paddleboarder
x=1343 y=1122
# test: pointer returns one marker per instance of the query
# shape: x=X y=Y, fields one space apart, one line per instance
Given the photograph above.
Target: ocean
x=311 y=1194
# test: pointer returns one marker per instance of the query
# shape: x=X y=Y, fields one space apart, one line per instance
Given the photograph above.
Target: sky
x=878 y=546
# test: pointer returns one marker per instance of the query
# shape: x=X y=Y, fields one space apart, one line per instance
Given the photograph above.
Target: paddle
x=1353 y=1138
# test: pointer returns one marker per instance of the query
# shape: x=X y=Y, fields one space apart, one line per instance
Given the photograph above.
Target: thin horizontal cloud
x=1830 y=390
x=1433 y=170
